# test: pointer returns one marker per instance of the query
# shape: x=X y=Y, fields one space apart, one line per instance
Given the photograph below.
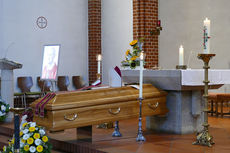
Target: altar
x=184 y=99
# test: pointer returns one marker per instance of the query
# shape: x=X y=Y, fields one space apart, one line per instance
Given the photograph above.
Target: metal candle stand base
x=116 y=132
x=140 y=136
x=204 y=138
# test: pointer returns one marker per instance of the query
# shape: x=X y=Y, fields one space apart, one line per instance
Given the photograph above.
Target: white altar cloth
x=195 y=77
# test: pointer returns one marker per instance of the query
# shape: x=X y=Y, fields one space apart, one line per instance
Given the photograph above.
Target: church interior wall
x=117 y=33
x=182 y=23
x=22 y=41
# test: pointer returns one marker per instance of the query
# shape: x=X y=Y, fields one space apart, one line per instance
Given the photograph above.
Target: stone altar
x=7 y=82
x=184 y=99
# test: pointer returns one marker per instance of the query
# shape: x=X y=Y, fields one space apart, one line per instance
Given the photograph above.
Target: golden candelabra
x=204 y=138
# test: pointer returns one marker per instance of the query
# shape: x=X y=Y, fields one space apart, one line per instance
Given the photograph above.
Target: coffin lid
x=70 y=100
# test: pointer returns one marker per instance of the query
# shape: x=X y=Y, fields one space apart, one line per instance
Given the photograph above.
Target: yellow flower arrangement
x=33 y=139
x=132 y=58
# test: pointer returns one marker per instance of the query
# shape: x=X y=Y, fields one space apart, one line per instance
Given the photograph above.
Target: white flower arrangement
x=33 y=139
x=4 y=109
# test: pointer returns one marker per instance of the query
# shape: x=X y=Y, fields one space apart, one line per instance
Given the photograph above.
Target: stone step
x=7 y=130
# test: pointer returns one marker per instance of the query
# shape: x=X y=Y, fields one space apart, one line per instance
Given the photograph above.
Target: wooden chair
x=25 y=84
x=223 y=98
x=44 y=85
x=63 y=83
x=78 y=82
x=218 y=98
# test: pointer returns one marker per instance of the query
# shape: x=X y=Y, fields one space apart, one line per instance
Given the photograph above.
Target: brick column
x=94 y=36
x=145 y=17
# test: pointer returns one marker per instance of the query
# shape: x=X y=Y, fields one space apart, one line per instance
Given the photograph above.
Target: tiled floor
x=162 y=143
x=156 y=142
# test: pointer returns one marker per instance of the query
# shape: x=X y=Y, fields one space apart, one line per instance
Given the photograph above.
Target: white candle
x=141 y=75
x=181 y=55
x=206 y=36
x=99 y=58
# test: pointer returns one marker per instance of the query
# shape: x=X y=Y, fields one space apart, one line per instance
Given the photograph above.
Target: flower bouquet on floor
x=4 y=109
x=132 y=59
x=33 y=139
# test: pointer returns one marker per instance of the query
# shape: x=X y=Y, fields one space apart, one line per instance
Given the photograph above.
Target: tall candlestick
x=99 y=58
x=206 y=36
x=141 y=75
x=181 y=55
x=140 y=136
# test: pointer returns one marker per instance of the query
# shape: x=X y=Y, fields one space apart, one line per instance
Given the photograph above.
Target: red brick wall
x=94 y=36
x=145 y=17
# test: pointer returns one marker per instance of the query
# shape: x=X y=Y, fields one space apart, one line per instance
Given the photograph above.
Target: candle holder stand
x=17 y=112
x=183 y=67
x=98 y=76
x=204 y=138
x=140 y=136
x=116 y=132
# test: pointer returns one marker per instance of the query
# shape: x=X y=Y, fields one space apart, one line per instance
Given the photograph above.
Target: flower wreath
x=33 y=139
x=4 y=109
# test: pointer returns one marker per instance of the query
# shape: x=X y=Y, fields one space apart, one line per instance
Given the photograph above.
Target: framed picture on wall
x=50 y=62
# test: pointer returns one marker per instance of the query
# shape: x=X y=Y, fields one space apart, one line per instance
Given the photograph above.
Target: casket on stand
x=66 y=110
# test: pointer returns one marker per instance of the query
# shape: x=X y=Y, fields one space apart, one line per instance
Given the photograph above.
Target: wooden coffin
x=83 y=108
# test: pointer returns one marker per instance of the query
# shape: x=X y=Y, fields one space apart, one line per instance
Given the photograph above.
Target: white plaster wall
x=117 y=33
x=67 y=25
x=182 y=22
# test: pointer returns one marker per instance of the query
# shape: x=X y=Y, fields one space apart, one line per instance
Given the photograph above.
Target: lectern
x=7 y=82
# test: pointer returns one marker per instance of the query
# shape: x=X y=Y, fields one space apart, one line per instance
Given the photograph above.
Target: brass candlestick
x=183 y=67
x=204 y=138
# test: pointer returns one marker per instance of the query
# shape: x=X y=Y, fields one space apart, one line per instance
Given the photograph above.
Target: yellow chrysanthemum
x=13 y=141
x=134 y=42
x=30 y=141
x=44 y=138
x=23 y=125
x=134 y=58
x=21 y=133
x=26 y=147
x=24 y=141
x=127 y=52
x=36 y=136
x=10 y=152
x=39 y=148
x=4 y=148
x=32 y=129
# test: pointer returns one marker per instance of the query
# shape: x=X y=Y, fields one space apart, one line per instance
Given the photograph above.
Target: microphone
x=11 y=44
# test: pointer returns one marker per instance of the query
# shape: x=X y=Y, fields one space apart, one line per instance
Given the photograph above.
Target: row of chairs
x=25 y=84
x=219 y=100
